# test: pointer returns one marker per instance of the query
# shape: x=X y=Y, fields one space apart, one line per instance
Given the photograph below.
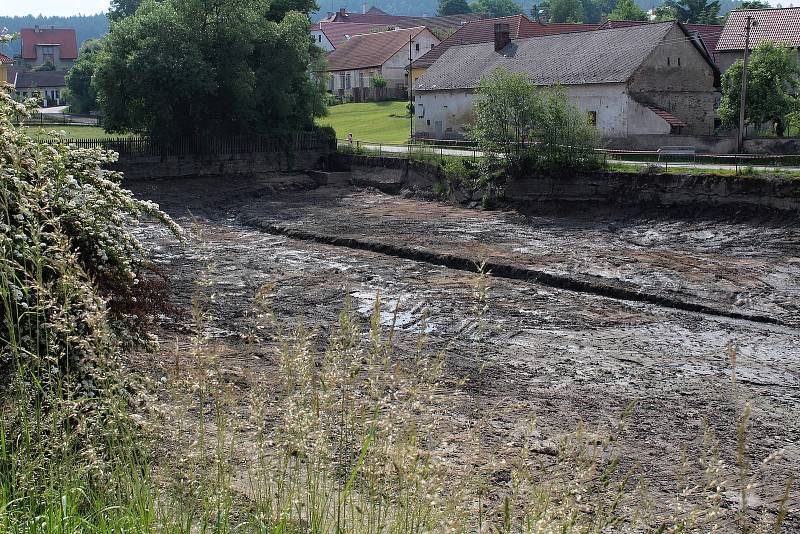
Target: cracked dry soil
x=564 y=355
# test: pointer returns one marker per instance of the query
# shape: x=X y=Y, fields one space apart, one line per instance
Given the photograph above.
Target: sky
x=89 y=7
x=52 y=7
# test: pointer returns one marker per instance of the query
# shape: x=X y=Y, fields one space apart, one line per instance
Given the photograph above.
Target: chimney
x=343 y=11
x=502 y=36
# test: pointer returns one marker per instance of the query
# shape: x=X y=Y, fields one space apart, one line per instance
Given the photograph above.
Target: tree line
x=594 y=11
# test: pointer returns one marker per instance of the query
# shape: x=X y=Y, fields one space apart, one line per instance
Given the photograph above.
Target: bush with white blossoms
x=74 y=288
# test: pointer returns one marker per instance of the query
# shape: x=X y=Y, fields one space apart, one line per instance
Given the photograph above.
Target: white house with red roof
x=57 y=46
x=355 y=62
x=329 y=35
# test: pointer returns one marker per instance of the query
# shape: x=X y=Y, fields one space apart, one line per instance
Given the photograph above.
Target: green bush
x=75 y=287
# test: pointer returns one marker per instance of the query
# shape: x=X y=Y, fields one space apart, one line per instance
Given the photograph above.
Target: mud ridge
x=512 y=272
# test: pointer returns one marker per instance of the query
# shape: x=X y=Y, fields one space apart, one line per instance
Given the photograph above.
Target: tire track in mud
x=511 y=272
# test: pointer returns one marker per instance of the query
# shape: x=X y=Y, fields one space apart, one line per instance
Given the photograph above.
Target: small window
x=593 y=118
x=417 y=47
x=319 y=37
x=347 y=82
x=429 y=122
x=668 y=61
x=679 y=62
x=432 y=45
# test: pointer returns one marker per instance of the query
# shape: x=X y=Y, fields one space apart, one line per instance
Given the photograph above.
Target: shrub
x=74 y=289
x=530 y=127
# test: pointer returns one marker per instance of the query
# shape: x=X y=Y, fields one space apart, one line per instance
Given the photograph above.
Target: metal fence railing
x=65 y=119
x=207 y=145
x=640 y=158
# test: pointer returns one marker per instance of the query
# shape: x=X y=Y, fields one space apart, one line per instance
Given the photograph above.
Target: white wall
x=321 y=40
x=394 y=70
x=617 y=114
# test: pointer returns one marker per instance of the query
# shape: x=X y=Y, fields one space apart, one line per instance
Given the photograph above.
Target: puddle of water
x=393 y=311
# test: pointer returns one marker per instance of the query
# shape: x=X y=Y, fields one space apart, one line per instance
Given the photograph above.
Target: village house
x=482 y=31
x=55 y=46
x=354 y=64
x=329 y=35
x=781 y=25
x=47 y=86
x=639 y=80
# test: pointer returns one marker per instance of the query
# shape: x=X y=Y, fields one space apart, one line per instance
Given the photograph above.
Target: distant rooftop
x=781 y=25
x=64 y=38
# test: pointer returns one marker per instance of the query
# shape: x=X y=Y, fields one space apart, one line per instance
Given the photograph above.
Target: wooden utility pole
x=743 y=94
x=410 y=92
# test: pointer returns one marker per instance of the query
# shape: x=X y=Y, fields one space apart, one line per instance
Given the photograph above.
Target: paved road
x=394 y=149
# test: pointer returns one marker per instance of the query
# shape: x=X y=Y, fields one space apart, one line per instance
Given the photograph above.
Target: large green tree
x=695 y=11
x=496 y=8
x=83 y=95
x=453 y=7
x=185 y=67
x=567 y=11
x=627 y=10
x=772 y=82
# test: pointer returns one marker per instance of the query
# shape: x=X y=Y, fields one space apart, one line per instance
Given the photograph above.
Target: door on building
x=437 y=129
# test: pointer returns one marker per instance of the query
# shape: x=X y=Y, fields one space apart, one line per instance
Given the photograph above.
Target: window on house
x=361 y=79
x=668 y=61
x=347 y=82
x=341 y=81
x=416 y=46
x=432 y=45
x=679 y=62
x=319 y=37
x=330 y=83
x=48 y=54
x=593 y=118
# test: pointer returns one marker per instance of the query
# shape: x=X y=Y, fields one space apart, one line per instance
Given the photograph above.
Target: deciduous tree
x=453 y=7
x=184 y=67
x=772 y=76
x=83 y=95
x=567 y=11
x=497 y=8
x=627 y=10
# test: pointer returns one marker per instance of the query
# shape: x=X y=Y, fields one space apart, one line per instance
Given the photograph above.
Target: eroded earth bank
x=559 y=333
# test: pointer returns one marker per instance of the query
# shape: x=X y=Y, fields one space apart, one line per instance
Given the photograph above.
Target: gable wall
x=676 y=77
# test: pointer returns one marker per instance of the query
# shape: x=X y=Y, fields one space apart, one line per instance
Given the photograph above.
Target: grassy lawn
x=379 y=122
x=74 y=132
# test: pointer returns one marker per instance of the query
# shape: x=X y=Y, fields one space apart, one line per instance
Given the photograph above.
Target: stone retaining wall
x=154 y=167
x=624 y=189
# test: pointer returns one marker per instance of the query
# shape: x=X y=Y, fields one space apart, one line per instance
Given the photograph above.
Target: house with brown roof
x=781 y=25
x=329 y=35
x=652 y=79
x=57 y=46
x=482 y=31
x=354 y=64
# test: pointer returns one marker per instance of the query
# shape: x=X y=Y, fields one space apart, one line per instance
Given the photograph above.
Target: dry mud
x=564 y=355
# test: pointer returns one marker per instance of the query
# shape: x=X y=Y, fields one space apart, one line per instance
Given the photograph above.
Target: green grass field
x=73 y=132
x=379 y=122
